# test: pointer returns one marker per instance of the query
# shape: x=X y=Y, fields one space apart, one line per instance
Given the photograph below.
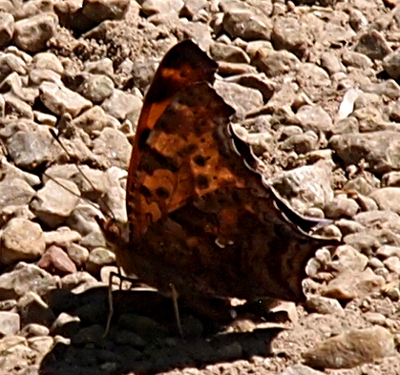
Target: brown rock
x=21 y=240
x=349 y=285
x=351 y=349
x=56 y=261
x=32 y=34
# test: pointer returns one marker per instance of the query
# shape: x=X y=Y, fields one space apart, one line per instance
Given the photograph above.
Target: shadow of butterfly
x=201 y=217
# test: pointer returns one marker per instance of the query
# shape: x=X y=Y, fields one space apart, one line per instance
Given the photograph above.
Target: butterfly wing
x=199 y=217
x=182 y=66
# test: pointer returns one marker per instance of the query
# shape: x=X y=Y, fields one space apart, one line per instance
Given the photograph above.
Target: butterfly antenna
x=80 y=170
x=175 y=297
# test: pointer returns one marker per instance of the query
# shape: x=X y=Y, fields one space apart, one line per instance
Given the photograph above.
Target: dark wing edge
x=305 y=224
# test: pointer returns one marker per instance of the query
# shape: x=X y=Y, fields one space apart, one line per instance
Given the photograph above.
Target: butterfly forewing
x=182 y=66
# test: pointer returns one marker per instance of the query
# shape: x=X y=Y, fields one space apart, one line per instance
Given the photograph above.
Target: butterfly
x=201 y=216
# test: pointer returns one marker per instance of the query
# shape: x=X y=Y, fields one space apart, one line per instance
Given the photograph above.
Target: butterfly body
x=199 y=218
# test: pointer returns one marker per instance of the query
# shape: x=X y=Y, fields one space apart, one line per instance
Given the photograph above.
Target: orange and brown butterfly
x=200 y=216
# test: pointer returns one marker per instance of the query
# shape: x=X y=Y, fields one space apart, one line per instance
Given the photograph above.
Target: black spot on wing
x=153 y=160
x=162 y=192
x=202 y=181
x=145 y=191
x=143 y=139
x=200 y=160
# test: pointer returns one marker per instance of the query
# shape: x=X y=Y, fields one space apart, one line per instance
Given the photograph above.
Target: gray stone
x=16 y=355
x=6 y=28
x=346 y=125
x=10 y=63
x=389 y=87
x=32 y=8
x=387 y=251
x=259 y=82
x=393 y=264
x=17 y=107
x=307 y=186
x=63 y=237
x=323 y=305
x=100 y=10
x=357 y=19
x=21 y=240
x=119 y=104
x=391 y=64
x=377 y=217
x=375 y=318
x=78 y=282
x=60 y=99
x=290 y=34
x=300 y=370
x=78 y=254
x=275 y=63
x=387 y=198
x=71 y=16
x=15 y=192
x=97 y=88
x=33 y=33
x=309 y=74
x=357 y=60
x=301 y=143
x=228 y=69
x=47 y=61
x=314 y=118
x=229 y=53
x=242 y=99
x=32 y=147
x=362 y=242
x=115 y=201
x=25 y=278
x=99 y=181
x=373 y=45
x=113 y=145
x=98 y=258
x=41 y=345
x=366 y=203
x=246 y=25
x=395 y=111
x=378 y=149
x=351 y=349
x=151 y=7
x=83 y=220
x=55 y=201
x=45 y=119
x=192 y=9
x=375 y=263
x=331 y=62
x=347 y=257
x=103 y=66
x=34 y=330
x=341 y=207
x=37 y=76
x=352 y=284
x=335 y=33
x=349 y=226
x=92 y=121
x=9 y=323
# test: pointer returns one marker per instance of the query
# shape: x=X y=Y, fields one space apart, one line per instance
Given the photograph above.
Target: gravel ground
x=314 y=86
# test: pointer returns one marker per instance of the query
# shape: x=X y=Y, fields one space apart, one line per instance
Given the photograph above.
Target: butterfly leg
x=110 y=300
x=175 y=296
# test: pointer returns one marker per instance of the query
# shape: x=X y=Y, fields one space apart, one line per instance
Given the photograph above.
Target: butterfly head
x=116 y=233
